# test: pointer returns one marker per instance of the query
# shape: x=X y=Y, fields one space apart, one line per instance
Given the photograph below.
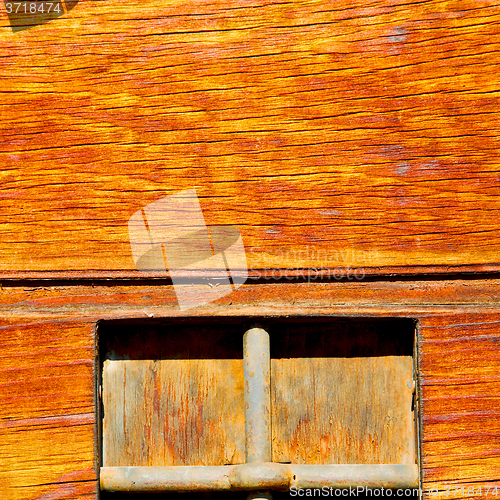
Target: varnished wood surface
x=459 y=364
x=115 y=301
x=331 y=133
x=47 y=411
x=47 y=419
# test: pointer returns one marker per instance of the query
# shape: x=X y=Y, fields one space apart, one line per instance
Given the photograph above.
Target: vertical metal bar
x=257 y=373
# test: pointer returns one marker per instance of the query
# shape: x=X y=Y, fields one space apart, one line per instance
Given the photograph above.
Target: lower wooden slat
x=48 y=335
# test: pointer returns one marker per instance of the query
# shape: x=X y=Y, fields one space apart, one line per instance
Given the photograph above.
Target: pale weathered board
x=330 y=132
x=173 y=412
x=342 y=391
x=172 y=395
x=343 y=411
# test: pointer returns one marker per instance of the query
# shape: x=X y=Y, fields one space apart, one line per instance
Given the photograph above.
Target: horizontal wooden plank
x=330 y=133
x=299 y=274
x=48 y=460
x=457 y=325
x=119 y=300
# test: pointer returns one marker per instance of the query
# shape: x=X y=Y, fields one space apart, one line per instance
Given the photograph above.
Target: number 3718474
x=34 y=8
x=468 y=491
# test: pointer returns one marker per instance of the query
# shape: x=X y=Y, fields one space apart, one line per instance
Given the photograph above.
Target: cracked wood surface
x=47 y=406
x=334 y=133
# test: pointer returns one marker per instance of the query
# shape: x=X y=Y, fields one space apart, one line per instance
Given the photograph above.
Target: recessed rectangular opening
x=343 y=391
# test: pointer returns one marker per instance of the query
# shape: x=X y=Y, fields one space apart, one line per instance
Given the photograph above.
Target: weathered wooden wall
x=47 y=412
x=331 y=133
x=47 y=405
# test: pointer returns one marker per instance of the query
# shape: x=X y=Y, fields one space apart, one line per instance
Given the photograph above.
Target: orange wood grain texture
x=331 y=133
x=46 y=353
x=460 y=362
x=47 y=416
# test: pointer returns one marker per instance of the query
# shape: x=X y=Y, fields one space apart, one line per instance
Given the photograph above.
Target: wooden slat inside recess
x=343 y=411
x=173 y=412
x=342 y=391
x=174 y=405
